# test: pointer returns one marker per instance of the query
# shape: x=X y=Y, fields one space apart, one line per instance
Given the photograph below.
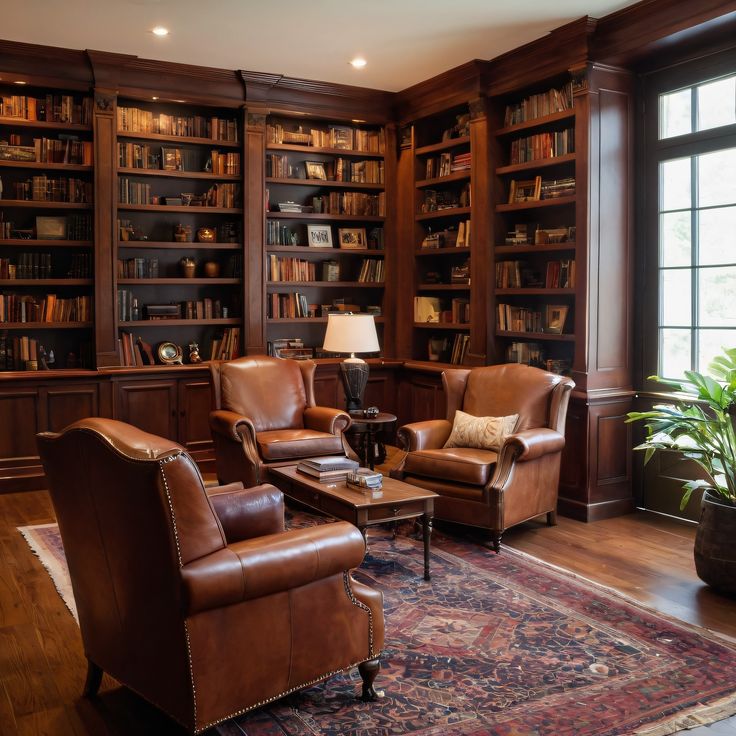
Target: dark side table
x=366 y=430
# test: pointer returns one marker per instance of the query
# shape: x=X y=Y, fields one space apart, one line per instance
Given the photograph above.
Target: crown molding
x=45 y=66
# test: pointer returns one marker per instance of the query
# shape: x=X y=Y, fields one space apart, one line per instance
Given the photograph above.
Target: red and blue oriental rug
x=503 y=646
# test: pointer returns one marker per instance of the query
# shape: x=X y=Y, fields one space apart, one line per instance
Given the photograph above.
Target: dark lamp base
x=354 y=381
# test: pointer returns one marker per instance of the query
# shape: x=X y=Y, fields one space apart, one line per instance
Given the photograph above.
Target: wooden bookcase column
x=104 y=126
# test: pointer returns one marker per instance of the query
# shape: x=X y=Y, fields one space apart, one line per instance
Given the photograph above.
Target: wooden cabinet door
x=150 y=405
x=194 y=410
x=63 y=404
x=20 y=467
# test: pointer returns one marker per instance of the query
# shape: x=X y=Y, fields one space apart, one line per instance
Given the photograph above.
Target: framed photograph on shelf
x=171 y=159
x=352 y=237
x=51 y=228
x=554 y=318
x=319 y=236
x=315 y=170
x=525 y=191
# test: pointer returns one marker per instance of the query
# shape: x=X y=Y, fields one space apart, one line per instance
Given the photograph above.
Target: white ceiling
x=404 y=41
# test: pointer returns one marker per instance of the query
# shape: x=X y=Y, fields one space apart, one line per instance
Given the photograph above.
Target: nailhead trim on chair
x=360 y=604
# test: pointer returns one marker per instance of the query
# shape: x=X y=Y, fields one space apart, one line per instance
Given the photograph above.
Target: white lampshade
x=351 y=333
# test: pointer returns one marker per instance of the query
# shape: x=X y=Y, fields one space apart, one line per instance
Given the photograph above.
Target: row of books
x=133 y=352
x=539 y=105
x=277 y=233
x=526 y=353
x=289 y=306
x=531 y=233
x=428 y=309
x=71 y=227
x=49 y=308
x=137 y=268
x=512 y=318
x=279 y=166
x=289 y=347
x=446 y=164
x=68 y=150
x=372 y=270
x=51 y=108
x=291 y=269
x=22 y=352
x=444 y=200
x=451 y=237
x=226 y=347
x=133 y=192
x=554 y=188
x=560 y=274
x=218 y=195
x=206 y=308
x=46 y=189
x=354 y=203
x=39 y=266
x=336 y=136
x=225 y=163
x=542 y=146
x=518 y=275
x=135 y=120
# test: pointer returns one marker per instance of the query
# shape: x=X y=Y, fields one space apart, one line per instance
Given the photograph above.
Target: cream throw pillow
x=483 y=433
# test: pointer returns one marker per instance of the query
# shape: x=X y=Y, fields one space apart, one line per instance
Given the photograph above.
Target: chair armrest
x=429 y=435
x=533 y=443
x=324 y=419
x=275 y=563
x=248 y=512
x=231 y=425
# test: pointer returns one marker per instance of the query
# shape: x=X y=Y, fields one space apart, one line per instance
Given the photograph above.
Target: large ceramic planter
x=715 y=544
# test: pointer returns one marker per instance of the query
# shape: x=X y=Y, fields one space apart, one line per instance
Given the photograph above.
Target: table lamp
x=352 y=333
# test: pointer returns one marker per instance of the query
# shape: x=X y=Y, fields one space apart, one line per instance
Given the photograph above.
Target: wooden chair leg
x=94 y=678
x=551 y=518
x=495 y=542
x=368 y=671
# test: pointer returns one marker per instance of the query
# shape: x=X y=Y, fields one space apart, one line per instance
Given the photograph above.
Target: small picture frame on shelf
x=352 y=237
x=525 y=191
x=171 y=159
x=51 y=228
x=315 y=170
x=554 y=318
x=319 y=236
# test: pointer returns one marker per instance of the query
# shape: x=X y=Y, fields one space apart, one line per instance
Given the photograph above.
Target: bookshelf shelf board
x=306 y=250
x=439 y=180
x=443 y=145
x=538 y=163
x=325 y=183
x=536 y=122
x=449 y=212
x=181 y=281
x=46 y=282
x=179 y=174
x=44 y=166
x=141 y=323
x=179 y=208
x=326 y=284
x=43 y=205
x=329 y=151
x=443 y=325
x=323 y=216
x=535 y=292
x=178 y=139
x=305 y=320
x=536 y=336
x=443 y=287
x=442 y=251
x=559 y=202
x=17 y=243
x=541 y=248
x=45 y=325
x=167 y=245
x=21 y=123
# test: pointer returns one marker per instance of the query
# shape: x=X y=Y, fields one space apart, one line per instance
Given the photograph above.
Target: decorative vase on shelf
x=211 y=269
x=188 y=266
x=206 y=235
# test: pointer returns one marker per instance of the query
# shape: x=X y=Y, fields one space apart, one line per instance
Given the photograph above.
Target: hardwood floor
x=42 y=667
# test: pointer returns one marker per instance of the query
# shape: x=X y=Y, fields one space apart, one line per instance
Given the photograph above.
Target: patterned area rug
x=497 y=645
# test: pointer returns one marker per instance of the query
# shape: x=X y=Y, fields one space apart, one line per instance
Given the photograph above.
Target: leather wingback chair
x=265 y=415
x=198 y=599
x=480 y=487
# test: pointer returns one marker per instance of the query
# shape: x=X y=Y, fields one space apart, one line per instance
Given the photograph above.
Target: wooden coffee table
x=394 y=502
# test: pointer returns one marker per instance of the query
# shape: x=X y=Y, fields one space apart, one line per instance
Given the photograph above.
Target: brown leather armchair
x=198 y=599
x=480 y=487
x=265 y=415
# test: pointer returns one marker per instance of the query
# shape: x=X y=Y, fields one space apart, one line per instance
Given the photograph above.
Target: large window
x=692 y=156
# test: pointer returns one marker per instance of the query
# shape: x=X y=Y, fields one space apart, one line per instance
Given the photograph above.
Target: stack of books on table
x=365 y=479
x=327 y=469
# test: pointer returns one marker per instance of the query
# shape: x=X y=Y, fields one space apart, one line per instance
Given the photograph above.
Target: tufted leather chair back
x=272 y=392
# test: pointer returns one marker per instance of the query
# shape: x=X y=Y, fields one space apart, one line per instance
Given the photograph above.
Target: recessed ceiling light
x=20 y=81
x=358 y=62
x=160 y=31
x=154 y=98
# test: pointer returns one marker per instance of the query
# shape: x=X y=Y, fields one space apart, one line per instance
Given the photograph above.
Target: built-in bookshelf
x=46 y=229
x=443 y=235
x=179 y=251
x=324 y=224
x=535 y=243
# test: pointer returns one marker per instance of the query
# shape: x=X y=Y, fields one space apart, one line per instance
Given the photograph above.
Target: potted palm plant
x=699 y=424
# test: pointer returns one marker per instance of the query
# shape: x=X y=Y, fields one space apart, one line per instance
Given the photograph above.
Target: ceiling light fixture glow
x=154 y=98
x=19 y=81
x=358 y=62
x=160 y=31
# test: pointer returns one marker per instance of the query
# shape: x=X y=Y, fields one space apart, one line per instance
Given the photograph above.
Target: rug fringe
x=701 y=715
x=58 y=576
